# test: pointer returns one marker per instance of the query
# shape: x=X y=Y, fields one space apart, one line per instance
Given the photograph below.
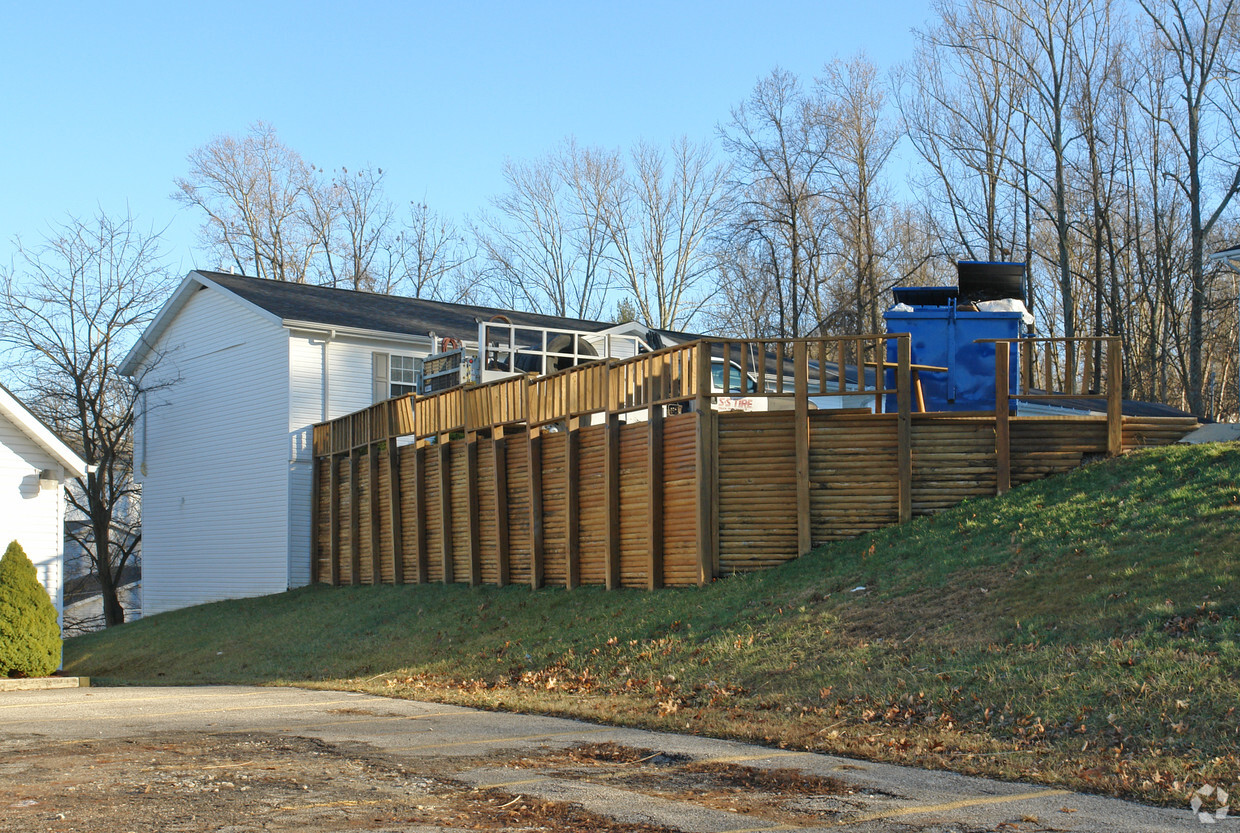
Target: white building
x=238 y=369
x=34 y=465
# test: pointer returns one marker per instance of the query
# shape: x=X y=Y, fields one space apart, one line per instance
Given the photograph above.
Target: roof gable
x=33 y=427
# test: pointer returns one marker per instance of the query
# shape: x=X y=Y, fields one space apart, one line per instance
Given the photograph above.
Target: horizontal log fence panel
x=432 y=524
x=611 y=450
x=555 y=508
x=635 y=526
x=459 y=500
x=387 y=561
x=591 y=497
x=517 y=460
x=488 y=530
x=680 y=565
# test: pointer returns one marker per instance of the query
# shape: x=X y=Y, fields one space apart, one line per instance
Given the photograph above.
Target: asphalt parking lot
x=116 y=760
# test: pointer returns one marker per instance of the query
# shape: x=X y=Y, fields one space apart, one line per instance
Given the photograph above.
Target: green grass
x=1079 y=631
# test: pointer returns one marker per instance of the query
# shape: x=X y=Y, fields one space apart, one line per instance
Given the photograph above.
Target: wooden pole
x=376 y=516
x=654 y=468
x=800 y=425
x=394 y=501
x=333 y=519
x=1115 y=398
x=534 y=444
x=445 y=511
x=355 y=521
x=499 y=453
x=1003 y=439
x=904 y=425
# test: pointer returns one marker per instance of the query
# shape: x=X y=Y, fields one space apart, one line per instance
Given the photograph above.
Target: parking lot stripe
x=952 y=805
x=500 y=739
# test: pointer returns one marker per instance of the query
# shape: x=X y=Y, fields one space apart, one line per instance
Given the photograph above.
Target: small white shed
x=34 y=465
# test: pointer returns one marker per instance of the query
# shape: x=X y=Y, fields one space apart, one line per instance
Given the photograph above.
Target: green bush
x=29 y=634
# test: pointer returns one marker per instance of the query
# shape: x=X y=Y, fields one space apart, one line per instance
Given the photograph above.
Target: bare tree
x=431 y=252
x=253 y=192
x=68 y=313
x=659 y=218
x=544 y=247
x=779 y=144
x=854 y=104
x=1196 y=41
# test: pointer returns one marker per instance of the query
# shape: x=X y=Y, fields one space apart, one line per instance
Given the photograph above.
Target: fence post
x=534 y=446
x=1003 y=439
x=904 y=424
x=421 y=556
x=800 y=424
x=1115 y=398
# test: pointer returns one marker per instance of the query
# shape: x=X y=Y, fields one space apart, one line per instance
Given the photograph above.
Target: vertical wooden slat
x=1087 y=375
x=421 y=555
x=499 y=453
x=1003 y=445
x=376 y=516
x=534 y=445
x=761 y=360
x=842 y=364
x=1026 y=356
x=355 y=521
x=1048 y=379
x=611 y=482
x=904 y=426
x=445 y=511
x=800 y=370
x=394 y=501
x=471 y=486
x=1115 y=398
x=572 y=509
x=654 y=467
x=334 y=520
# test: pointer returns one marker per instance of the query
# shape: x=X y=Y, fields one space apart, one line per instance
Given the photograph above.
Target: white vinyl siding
x=215 y=492
x=30 y=515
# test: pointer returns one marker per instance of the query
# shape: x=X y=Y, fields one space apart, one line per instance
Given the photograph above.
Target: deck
x=624 y=473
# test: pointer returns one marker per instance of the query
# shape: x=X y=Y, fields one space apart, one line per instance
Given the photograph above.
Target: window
x=406 y=371
x=734 y=386
x=395 y=375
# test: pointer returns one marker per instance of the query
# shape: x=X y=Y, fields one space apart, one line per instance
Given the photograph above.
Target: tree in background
x=1195 y=53
x=29 y=634
x=252 y=191
x=780 y=151
x=69 y=311
x=660 y=216
x=544 y=245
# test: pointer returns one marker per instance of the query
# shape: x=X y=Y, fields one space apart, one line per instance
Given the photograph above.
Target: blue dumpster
x=945 y=335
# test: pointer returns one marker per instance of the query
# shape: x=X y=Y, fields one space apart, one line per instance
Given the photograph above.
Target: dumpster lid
x=925 y=296
x=982 y=281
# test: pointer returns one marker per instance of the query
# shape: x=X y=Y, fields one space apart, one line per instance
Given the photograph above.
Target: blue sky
x=101 y=103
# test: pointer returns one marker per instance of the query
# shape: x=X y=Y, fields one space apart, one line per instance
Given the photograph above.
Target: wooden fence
x=621 y=474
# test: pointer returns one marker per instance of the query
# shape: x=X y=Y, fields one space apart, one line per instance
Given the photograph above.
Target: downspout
x=326 y=373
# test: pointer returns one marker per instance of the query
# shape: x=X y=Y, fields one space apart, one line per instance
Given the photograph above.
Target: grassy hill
x=1079 y=631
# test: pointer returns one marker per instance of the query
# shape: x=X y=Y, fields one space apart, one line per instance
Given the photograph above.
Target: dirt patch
x=961 y=602
x=252 y=782
x=780 y=796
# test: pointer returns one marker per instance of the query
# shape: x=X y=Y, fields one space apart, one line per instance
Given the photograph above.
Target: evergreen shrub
x=29 y=634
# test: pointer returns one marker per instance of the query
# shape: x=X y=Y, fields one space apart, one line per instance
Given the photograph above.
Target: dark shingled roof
x=384 y=313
